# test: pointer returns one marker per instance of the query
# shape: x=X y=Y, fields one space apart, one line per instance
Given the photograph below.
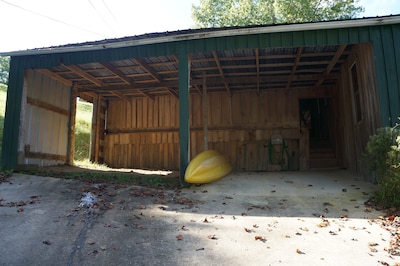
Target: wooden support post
x=71 y=126
x=205 y=112
x=97 y=120
x=184 y=131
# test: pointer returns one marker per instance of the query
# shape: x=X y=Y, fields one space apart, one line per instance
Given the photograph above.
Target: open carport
x=159 y=99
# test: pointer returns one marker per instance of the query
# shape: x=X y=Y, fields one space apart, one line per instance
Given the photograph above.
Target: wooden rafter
x=55 y=76
x=256 y=70
x=221 y=72
x=213 y=81
x=118 y=73
x=173 y=93
x=123 y=77
x=149 y=70
x=296 y=63
x=82 y=73
x=198 y=89
x=331 y=65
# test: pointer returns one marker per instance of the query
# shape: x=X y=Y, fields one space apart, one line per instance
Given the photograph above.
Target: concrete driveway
x=280 y=218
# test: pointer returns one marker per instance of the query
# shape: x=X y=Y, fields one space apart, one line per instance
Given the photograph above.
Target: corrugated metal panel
x=46 y=131
x=12 y=116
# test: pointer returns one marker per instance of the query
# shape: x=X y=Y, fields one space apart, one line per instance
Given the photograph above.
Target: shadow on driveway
x=280 y=218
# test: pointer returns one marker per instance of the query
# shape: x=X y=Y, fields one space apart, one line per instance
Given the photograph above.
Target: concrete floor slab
x=279 y=218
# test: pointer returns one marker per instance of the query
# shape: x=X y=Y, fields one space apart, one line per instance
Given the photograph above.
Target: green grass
x=82 y=130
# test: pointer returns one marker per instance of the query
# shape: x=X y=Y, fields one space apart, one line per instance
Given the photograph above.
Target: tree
x=4 y=69
x=224 y=13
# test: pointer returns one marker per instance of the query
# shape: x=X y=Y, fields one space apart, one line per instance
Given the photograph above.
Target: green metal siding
x=385 y=39
x=12 y=117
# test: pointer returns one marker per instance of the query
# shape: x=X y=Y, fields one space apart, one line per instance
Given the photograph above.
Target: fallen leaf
x=248 y=230
x=179 y=237
x=373 y=249
x=255 y=225
x=324 y=223
x=261 y=238
x=298 y=251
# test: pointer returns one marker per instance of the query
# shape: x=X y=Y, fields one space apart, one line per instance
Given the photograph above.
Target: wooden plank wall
x=143 y=133
x=45 y=120
x=356 y=134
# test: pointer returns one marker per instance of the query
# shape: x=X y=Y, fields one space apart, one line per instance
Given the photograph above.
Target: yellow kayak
x=208 y=166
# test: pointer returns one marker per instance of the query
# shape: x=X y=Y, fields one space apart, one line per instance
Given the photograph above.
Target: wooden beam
x=71 y=126
x=331 y=65
x=173 y=93
x=98 y=122
x=47 y=106
x=146 y=67
x=198 y=89
x=296 y=63
x=85 y=75
x=205 y=112
x=221 y=72
x=212 y=81
x=118 y=73
x=55 y=76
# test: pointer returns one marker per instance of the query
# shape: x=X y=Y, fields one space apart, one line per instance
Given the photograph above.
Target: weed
x=383 y=157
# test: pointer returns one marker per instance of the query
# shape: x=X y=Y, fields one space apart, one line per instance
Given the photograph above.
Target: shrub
x=383 y=158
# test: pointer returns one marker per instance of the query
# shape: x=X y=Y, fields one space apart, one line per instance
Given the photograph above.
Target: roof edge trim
x=352 y=23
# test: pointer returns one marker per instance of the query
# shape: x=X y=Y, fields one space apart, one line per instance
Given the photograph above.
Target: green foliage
x=4 y=69
x=222 y=13
x=383 y=157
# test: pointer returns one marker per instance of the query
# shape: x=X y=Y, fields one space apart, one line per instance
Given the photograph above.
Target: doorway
x=315 y=113
x=321 y=131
